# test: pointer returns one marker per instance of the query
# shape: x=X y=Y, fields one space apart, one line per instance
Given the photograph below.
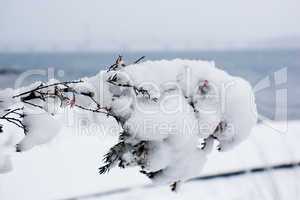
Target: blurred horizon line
x=280 y=43
x=109 y=51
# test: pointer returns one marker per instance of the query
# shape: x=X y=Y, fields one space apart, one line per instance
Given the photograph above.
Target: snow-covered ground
x=68 y=167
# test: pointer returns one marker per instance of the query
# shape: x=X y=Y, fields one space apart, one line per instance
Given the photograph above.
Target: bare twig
x=17 y=122
x=137 y=90
x=119 y=62
x=102 y=110
x=138 y=60
x=34 y=105
x=13 y=111
x=60 y=93
x=46 y=86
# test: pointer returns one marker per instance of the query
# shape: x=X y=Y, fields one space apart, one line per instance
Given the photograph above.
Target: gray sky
x=145 y=25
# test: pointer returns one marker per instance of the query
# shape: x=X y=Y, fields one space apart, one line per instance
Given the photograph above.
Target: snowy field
x=68 y=167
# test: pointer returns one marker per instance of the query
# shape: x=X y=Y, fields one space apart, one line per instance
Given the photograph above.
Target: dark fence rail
x=200 y=178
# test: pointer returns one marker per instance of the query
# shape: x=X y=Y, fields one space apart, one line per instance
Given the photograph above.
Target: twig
x=12 y=111
x=138 y=60
x=60 y=93
x=13 y=120
x=93 y=110
x=137 y=90
x=119 y=61
x=46 y=86
x=32 y=104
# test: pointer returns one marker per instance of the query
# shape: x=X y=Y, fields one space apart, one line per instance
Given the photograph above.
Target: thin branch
x=119 y=61
x=46 y=86
x=93 y=110
x=137 y=90
x=60 y=93
x=13 y=111
x=15 y=121
x=32 y=104
x=138 y=60
x=120 y=84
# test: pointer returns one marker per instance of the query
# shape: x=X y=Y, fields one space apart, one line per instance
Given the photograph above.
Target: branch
x=13 y=111
x=119 y=62
x=34 y=105
x=66 y=83
x=94 y=110
x=138 y=60
x=15 y=121
x=60 y=91
x=138 y=90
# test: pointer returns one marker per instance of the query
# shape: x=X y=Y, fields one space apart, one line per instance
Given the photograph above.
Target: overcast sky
x=144 y=25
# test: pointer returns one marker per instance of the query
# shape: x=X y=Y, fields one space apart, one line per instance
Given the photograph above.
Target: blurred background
x=252 y=39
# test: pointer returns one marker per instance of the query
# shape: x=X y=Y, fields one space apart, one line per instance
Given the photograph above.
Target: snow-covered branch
x=170 y=113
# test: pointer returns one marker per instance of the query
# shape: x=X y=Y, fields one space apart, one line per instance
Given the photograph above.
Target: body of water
x=253 y=65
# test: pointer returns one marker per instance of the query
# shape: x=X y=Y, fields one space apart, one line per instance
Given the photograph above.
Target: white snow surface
x=67 y=167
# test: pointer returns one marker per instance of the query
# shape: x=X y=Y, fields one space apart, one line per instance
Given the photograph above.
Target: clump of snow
x=8 y=140
x=194 y=100
x=5 y=162
x=239 y=113
x=41 y=128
